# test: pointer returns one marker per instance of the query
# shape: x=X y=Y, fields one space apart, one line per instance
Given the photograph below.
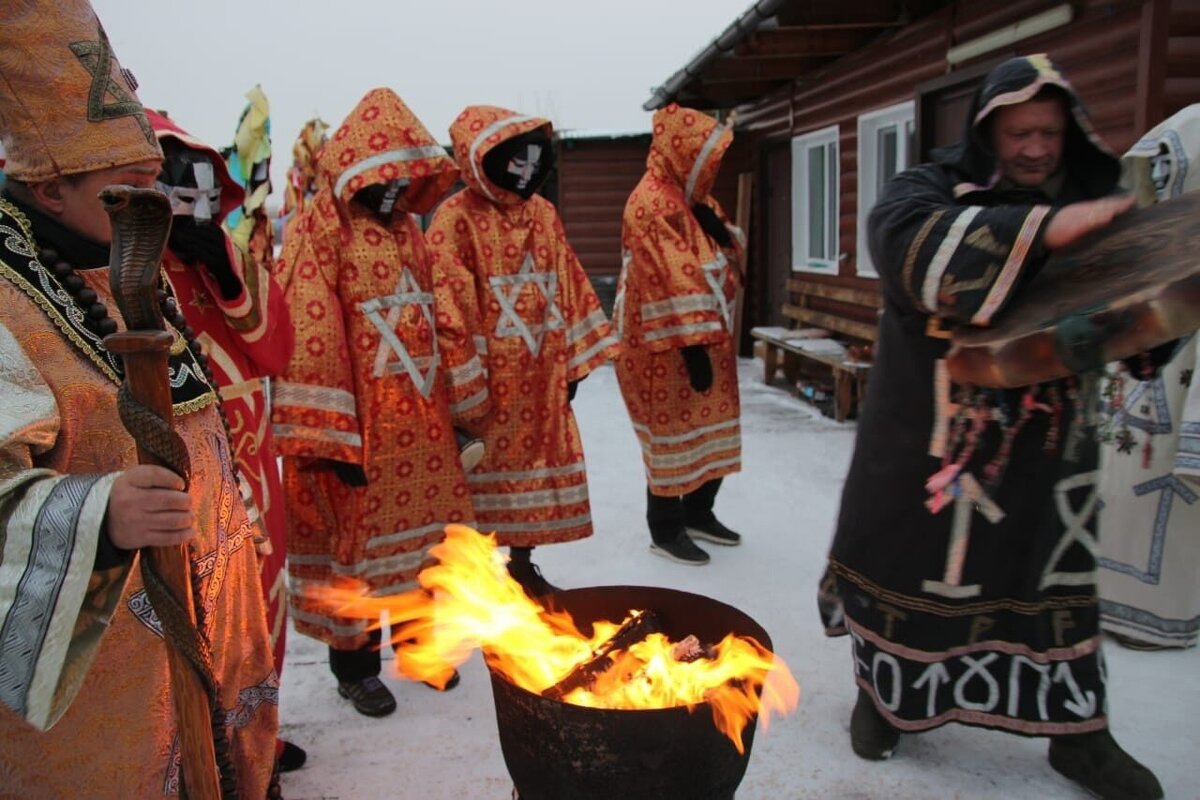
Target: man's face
x=1028 y=139
x=83 y=212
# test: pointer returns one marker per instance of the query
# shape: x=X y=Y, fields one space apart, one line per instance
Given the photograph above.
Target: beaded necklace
x=100 y=323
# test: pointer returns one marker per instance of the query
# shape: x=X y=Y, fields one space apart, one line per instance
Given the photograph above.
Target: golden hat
x=66 y=104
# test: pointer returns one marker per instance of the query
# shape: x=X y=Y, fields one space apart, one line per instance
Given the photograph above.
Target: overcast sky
x=586 y=65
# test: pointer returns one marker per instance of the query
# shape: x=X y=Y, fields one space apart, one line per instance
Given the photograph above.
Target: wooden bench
x=815 y=305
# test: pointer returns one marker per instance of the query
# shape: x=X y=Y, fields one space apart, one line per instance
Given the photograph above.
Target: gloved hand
x=699 y=367
x=203 y=244
x=350 y=474
x=712 y=224
x=571 y=387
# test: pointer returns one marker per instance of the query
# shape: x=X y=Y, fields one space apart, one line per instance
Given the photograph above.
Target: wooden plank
x=859 y=330
x=1151 y=65
x=830 y=291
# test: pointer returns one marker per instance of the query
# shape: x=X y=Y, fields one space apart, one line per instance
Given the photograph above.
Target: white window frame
x=870 y=124
x=801 y=146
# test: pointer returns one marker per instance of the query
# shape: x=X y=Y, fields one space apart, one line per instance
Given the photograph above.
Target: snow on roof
x=601 y=134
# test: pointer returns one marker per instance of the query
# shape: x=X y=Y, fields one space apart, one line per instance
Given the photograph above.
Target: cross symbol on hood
x=507 y=289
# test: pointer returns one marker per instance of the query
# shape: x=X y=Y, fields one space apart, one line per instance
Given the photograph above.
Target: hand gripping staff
x=141 y=222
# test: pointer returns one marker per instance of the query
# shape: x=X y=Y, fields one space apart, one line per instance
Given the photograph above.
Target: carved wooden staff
x=141 y=222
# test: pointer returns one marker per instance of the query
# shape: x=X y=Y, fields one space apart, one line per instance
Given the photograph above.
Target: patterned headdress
x=66 y=104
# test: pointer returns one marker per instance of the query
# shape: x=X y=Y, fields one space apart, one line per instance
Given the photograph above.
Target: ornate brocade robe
x=85 y=685
x=678 y=288
x=366 y=384
x=504 y=268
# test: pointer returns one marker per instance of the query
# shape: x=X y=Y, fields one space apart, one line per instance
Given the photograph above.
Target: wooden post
x=745 y=192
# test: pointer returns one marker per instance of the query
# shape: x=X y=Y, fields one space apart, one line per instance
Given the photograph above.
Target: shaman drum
x=1116 y=293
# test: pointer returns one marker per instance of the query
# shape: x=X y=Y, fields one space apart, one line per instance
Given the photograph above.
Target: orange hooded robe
x=503 y=263
x=676 y=289
x=365 y=385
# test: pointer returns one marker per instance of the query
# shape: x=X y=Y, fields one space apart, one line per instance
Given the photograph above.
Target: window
x=815 y=201
x=885 y=147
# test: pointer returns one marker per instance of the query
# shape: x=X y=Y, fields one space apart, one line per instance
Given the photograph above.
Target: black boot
x=525 y=572
x=1097 y=763
x=871 y=736
x=357 y=673
x=289 y=757
x=701 y=522
x=668 y=536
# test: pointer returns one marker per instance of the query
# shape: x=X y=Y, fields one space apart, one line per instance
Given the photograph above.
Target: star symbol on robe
x=407 y=293
x=200 y=302
x=508 y=288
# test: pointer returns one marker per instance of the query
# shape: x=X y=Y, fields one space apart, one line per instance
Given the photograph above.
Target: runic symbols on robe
x=407 y=293
x=508 y=288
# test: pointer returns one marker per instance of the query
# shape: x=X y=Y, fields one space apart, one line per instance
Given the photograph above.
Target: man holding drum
x=963 y=565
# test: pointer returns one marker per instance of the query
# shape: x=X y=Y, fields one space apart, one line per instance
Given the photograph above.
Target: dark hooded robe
x=963 y=565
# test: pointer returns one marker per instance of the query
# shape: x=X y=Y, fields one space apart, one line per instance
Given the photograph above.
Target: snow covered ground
x=445 y=746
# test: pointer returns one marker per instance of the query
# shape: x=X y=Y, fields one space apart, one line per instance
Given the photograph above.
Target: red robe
x=366 y=383
x=248 y=338
x=677 y=288
x=505 y=269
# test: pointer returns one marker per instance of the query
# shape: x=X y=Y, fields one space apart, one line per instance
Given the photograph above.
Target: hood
x=1085 y=156
x=1165 y=162
x=476 y=131
x=232 y=194
x=688 y=146
x=382 y=141
x=304 y=164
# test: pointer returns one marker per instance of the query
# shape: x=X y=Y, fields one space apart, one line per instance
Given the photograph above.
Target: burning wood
x=689 y=649
x=639 y=625
x=468 y=601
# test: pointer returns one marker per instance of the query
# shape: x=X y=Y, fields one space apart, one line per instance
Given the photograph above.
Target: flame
x=468 y=600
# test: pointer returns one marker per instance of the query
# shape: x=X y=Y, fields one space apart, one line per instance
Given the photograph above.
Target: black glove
x=350 y=474
x=699 y=367
x=712 y=224
x=571 y=387
x=204 y=245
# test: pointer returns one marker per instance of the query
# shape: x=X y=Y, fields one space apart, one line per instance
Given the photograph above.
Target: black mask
x=381 y=198
x=190 y=180
x=520 y=164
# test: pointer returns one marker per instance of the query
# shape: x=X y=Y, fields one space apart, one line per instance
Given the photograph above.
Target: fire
x=467 y=601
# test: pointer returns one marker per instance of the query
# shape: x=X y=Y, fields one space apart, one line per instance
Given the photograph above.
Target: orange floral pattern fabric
x=506 y=272
x=677 y=288
x=366 y=382
x=68 y=105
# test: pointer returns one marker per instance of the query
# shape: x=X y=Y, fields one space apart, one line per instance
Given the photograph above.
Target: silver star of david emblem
x=715 y=273
x=507 y=289
x=421 y=369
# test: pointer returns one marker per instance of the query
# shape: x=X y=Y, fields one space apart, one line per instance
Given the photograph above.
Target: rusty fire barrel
x=556 y=750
